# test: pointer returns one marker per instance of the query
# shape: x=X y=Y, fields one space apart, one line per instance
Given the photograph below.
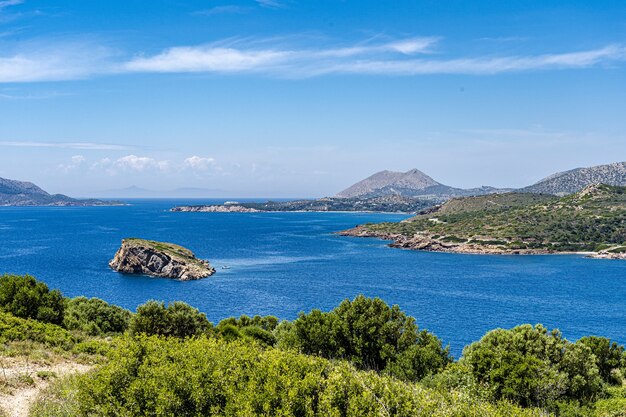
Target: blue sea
x=284 y=263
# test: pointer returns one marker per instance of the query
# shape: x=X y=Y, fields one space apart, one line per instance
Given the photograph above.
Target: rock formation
x=139 y=256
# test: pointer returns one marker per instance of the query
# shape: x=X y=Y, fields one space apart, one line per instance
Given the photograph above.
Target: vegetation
x=177 y=319
x=591 y=220
x=24 y=296
x=95 y=317
x=362 y=358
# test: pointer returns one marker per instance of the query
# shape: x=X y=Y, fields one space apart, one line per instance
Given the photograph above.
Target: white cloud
x=75 y=162
x=228 y=9
x=7 y=3
x=66 y=145
x=198 y=163
x=140 y=163
x=396 y=57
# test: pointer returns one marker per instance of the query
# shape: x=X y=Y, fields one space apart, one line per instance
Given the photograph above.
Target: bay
x=284 y=263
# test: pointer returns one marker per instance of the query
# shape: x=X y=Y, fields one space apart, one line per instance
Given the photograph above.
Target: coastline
x=426 y=243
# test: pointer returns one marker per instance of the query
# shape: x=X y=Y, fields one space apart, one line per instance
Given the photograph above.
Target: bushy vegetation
x=95 y=317
x=25 y=297
x=362 y=358
x=587 y=221
x=177 y=319
x=370 y=334
x=152 y=376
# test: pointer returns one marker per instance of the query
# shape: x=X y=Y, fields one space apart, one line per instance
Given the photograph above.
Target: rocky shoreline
x=159 y=259
x=431 y=243
x=214 y=209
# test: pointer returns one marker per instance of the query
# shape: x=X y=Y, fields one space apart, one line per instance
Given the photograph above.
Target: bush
x=531 y=367
x=370 y=334
x=25 y=297
x=211 y=377
x=177 y=319
x=95 y=317
x=19 y=329
x=608 y=357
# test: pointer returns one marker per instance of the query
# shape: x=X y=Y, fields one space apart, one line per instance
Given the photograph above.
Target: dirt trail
x=18 y=395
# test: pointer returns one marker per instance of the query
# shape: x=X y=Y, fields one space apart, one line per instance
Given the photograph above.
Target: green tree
x=178 y=319
x=370 y=334
x=95 y=316
x=533 y=367
x=608 y=357
x=24 y=296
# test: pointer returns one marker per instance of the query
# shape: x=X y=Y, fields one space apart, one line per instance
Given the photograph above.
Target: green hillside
x=593 y=219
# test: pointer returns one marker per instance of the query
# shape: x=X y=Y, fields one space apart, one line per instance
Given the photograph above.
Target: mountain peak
x=413 y=179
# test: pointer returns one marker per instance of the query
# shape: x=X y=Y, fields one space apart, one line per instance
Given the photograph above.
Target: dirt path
x=24 y=380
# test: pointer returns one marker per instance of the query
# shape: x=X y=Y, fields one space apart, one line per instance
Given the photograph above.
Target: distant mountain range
x=572 y=181
x=415 y=183
x=21 y=193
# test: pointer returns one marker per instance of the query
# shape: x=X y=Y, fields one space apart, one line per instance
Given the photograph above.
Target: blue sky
x=302 y=98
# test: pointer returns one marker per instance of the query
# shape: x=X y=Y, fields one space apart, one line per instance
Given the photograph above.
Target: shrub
x=370 y=334
x=95 y=316
x=531 y=367
x=212 y=377
x=16 y=328
x=24 y=296
x=608 y=356
x=177 y=319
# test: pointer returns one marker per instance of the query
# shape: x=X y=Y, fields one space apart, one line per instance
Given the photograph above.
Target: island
x=591 y=221
x=159 y=259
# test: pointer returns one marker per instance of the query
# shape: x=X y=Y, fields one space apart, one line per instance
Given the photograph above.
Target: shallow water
x=283 y=263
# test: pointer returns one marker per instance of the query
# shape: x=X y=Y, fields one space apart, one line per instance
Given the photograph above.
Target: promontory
x=160 y=259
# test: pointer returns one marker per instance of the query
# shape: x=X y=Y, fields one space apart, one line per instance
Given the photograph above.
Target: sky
x=294 y=98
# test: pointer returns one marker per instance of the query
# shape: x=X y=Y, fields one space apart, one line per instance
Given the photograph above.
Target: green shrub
x=177 y=319
x=25 y=297
x=608 y=357
x=16 y=328
x=95 y=317
x=370 y=334
x=154 y=376
x=531 y=367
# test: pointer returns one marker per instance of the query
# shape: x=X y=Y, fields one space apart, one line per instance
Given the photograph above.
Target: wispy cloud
x=218 y=10
x=8 y=3
x=271 y=4
x=199 y=163
x=75 y=162
x=275 y=57
x=67 y=145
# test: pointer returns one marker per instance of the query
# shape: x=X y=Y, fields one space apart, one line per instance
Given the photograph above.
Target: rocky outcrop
x=147 y=257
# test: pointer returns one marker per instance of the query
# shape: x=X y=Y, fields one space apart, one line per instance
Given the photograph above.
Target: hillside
x=592 y=220
x=413 y=183
x=574 y=180
x=22 y=193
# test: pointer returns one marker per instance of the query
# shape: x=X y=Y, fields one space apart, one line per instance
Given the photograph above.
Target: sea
x=285 y=263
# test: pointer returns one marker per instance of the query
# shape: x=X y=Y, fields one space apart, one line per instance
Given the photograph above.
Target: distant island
x=414 y=191
x=160 y=259
x=22 y=193
x=592 y=220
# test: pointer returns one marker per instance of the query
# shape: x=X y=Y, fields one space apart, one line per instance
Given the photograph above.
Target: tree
x=95 y=316
x=370 y=334
x=533 y=367
x=178 y=319
x=608 y=356
x=24 y=296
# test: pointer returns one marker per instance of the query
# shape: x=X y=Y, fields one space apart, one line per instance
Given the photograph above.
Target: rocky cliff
x=139 y=256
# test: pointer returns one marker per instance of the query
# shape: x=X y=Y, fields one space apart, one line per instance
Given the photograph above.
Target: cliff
x=139 y=256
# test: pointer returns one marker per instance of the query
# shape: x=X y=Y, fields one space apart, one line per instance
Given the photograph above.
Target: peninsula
x=592 y=221
x=160 y=259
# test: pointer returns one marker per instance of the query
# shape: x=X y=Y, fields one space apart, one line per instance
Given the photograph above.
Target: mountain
x=22 y=193
x=591 y=220
x=413 y=183
x=574 y=180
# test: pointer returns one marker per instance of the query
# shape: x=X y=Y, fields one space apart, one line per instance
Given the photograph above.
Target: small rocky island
x=159 y=259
